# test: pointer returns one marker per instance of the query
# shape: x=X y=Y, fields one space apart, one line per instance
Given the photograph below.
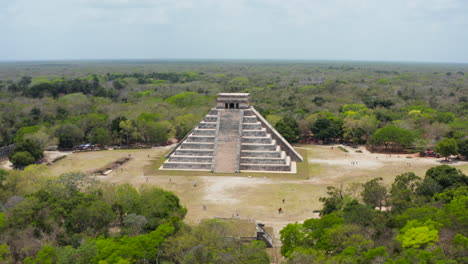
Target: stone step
x=213 y=112
x=227 y=142
x=251 y=160
x=248 y=112
x=254 y=126
x=194 y=159
x=187 y=165
x=254 y=133
x=197 y=145
x=265 y=167
x=204 y=139
x=263 y=154
x=204 y=132
x=267 y=147
x=194 y=152
x=250 y=119
x=211 y=118
x=211 y=125
x=257 y=140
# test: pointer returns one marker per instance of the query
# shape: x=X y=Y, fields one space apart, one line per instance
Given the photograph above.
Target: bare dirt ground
x=257 y=197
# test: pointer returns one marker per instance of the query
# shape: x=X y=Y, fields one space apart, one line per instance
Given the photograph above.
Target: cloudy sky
x=377 y=30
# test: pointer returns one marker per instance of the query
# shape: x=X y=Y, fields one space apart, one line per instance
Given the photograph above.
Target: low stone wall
x=6 y=150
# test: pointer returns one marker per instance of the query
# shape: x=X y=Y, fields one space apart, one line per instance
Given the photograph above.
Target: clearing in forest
x=254 y=195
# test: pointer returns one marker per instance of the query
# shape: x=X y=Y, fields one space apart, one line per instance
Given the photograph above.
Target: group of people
x=280 y=210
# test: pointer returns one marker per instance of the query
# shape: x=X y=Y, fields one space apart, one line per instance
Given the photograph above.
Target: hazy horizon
x=413 y=31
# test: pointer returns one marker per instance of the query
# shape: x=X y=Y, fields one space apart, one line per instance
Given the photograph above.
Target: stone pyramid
x=233 y=137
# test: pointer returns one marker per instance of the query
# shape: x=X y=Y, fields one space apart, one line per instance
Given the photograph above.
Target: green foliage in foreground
x=75 y=219
x=415 y=228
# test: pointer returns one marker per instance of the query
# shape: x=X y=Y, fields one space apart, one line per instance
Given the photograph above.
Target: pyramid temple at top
x=233 y=137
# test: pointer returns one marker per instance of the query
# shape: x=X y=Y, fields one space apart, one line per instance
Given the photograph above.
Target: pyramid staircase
x=233 y=140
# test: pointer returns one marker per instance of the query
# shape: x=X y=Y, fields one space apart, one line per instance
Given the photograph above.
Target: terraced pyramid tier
x=233 y=137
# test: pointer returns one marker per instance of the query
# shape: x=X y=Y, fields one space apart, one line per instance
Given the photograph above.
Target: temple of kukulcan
x=233 y=137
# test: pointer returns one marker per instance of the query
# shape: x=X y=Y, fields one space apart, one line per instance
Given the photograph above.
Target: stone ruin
x=233 y=137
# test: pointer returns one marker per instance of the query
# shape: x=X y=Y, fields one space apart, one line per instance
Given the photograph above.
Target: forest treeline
x=75 y=219
x=415 y=220
x=387 y=107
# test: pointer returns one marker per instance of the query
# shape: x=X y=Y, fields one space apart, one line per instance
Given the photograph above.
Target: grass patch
x=343 y=149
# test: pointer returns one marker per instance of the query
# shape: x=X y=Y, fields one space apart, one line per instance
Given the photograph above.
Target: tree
x=44 y=137
x=129 y=130
x=128 y=199
x=335 y=201
x=69 y=135
x=133 y=224
x=47 y=255
x=154 y=132
x=93 y=217
x=327 y=128
x=392 y=135
x=238 y=84
x=159 y=206
x=183 y=124
x=403 y=191
x=288 y=128
x=5 y=255
x=100 y=135
x=374 y=193
x=447 y=147
x=463 y=147
x=30 y=146
x=416 y=234
x=291 y=237
x=440 y=178
x=359 y=128
x=25 y=153
x=187 y=99
x=21 y=159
